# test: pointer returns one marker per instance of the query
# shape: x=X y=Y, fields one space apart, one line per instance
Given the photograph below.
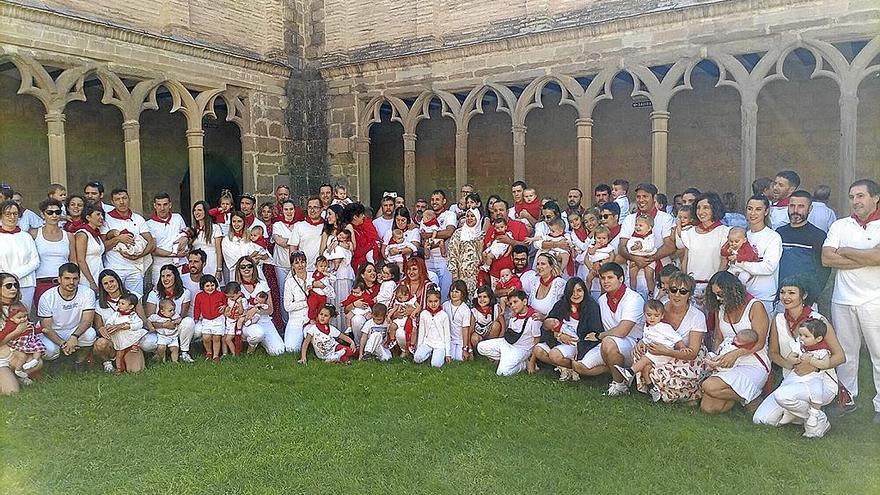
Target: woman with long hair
x=110 y=290
x=768 y=246
x=74 y=206
x=701 y=244
x=170 y=286
x=10 y=304
x=89 y=247
x=208 y=237
x=262 y=330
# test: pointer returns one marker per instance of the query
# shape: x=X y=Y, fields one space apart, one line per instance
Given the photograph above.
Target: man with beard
x=601 y=195
x=385 y=219
x=802 y=247
x=575 y=196
x=785 y=183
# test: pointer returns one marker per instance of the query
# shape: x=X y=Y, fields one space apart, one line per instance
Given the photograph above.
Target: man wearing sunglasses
x=127 y=226
x=66 y=313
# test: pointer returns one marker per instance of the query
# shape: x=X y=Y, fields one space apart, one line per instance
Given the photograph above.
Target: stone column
x=133 y=179
x=195 y=142
x=57 y=151
x=519 y=152
x=409 y=167
x=461 y=159
x=659 y=137
x=846 y=167
x=362 y=158
x=748 y=146
x=585 y=155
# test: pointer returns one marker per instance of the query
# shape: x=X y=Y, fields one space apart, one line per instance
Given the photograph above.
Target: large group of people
x=691 y=300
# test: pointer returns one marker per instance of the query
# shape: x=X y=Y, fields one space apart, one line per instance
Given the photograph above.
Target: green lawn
x=266 y=425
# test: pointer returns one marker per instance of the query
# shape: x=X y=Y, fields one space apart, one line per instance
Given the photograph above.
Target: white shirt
x=307 y=238
x=623 y=202
x=821 y=216
x=434 y=331
x=136 y=225
x=166 y=234
x=778 y=216
x=543 y=306
x=29 y=220
x=529 y=280
x=383 y=225
x=855 y=286
x=631 y=308
x=324 y=344
x=445 y=219
x=18 y=256
x=186 y=297
x=661 y=333
x=192 y=287
x=529 y=329
x=295 y=296
x=66 y=314
x=123 y=339
x=663 y=225
x=768 y=245
x=704 y=251
x=459 y=317
x=234 y=248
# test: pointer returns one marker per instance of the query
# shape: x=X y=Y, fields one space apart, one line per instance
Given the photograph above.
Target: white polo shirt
x=165 y=233
x=66 y=314
x=663 y=225
x=192 y=287
x=855 y=286
x=445 y=219
x=136 y=225
x=631 y=308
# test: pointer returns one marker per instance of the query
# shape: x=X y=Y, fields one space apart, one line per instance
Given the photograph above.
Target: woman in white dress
x=701 y=244
x=18 y=253
x=263 y=330
x=170 y=286
x=110 y=289
x=238 y=243
x=54 y=245
x=735 y=311
x=89 y=247
x=403 y=221
x=208 y=237
x=296 y=303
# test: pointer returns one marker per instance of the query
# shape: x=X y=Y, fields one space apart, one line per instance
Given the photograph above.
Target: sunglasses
x=607 y=216
x=246 y=266
x=10 y=285
x=678 y=290
x=53 y=212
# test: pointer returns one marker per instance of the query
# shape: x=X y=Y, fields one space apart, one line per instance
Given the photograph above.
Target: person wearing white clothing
x=459 y=314
x=261 y=331
x=296 y=303
x=125 y=226
x=170 y=233
x=54 y=246
x=513 y=348
x=208 y=237
x=306 y=235
x=785 y=183
x=623 y=319
x=433 y=339
x=170 y=286
x=28 y=221
x=702 y=243
x=238 y=244
x=18 y=252
x=853 y=248
x=281 y=231
x=619 y=192
x=66 y=315
x=434 y=260
x=89 y=247
x=768 y=245
x=662 y=233
x=385 y=221
x=821 y=215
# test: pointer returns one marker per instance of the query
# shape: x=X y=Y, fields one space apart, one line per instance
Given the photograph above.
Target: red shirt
x=209 y=306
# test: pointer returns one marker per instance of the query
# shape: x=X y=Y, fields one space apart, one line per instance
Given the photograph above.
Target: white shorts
x=167 y=340
x=217 y=326
x=625 y=346
x=568 y=351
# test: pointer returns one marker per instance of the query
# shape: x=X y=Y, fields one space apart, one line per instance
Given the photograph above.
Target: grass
x=265 y=425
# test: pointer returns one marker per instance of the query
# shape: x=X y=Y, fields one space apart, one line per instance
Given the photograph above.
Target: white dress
x=746 y=378
x=94 y=256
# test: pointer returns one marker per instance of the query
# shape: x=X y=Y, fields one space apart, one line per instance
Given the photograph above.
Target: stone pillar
x=748 y=147
x=461 y=159
x=362 y=157
x=133 y=179
x=659 y=137
x=519 y=152
x=846 y=167
x=409 y=167
x=195 y=142
x=57 y=151
x=585 y=155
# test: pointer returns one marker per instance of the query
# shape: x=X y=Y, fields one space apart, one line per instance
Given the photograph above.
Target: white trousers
x=281 y=273
x=53 y=350
x=132 y=280
x=423 y=352
x=357 y=326
x=793 y=398
x=293 y=332
x=852 y=324
x=511 y=359
x=376 y=344
x=263 y=332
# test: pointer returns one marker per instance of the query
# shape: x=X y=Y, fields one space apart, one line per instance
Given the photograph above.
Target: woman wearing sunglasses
x=18 y=253
x=54 y=245
x=10 y=303
x=678 y=380
x=263 y=330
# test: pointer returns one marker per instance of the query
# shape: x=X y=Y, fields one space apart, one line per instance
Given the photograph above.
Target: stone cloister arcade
x=849 y=63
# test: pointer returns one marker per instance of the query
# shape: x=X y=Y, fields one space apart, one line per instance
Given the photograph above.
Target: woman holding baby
x=809 y=381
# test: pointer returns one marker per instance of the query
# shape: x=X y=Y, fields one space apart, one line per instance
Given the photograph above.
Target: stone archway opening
x=386 y=156
x=622 y=135
x=164 y=158
x=490 y=149
x=551 y=146
x=435 y=154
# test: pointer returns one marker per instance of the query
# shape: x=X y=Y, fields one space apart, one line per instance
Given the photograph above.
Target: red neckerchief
x=16 y=230
x=549 y=282
x=119 y=216
x=871 y=218
x=749 y=347
x=575 y=312
x=615 y=298
x=782 y=203
x=712 y=226
x=652 y=213
x=240 y=235
x=319 y=221
x=528 y=314
x=581 y=233
x=91 y=230
x=261 y=241
x=642 y=236
x=156 y=218
x=374 y=290
x=431 y=223
x=73 y=225
x=323 y=327
x=249 y=220
x=817 y=346
x=485 y=311
x=794 y=323
x=434 y=311
x=169 y=293
x=317 y=276
x=614 y=233
x=125 y=313
x=285 y=222
x=441 y=211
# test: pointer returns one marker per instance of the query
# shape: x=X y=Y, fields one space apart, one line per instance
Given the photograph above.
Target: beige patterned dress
x=464 y=260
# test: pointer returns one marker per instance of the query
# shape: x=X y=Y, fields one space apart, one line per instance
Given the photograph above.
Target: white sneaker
x=564 y=374
x=21 y=374
x=574 y=376
x=627 y=373
x=185 y=357
x=616 y=389
x=817 y=424
x=108 y=367
x=655 y=394
x=30 y=364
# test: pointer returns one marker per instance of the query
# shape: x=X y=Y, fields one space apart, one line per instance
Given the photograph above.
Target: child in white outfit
x=434 y=341
x=745 y=339
x=399 y=243
x=133 y=250
x=167 y=338
x=599 y=253
x=127 y=338
x=655 y=332
x=556 y=234
x=373 y=340
x=810 y=347
x=642 y=244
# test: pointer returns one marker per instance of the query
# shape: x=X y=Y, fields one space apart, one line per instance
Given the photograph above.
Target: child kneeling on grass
x=325 y=339
x=375 y=334
x=128 y=334
x=433 y=333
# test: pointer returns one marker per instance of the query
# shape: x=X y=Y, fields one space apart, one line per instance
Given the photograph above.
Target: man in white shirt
x=94 y=193
x=785 y=183
x=128 y=225
x=169 y=233
x=434 y=260
x=385 y=219
x=662 y=232
x=460 y=207
x=622 y=318
x=195 y=264
x=66 y=313
x=853 y=248
x=305 y=235
x=822 y=215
